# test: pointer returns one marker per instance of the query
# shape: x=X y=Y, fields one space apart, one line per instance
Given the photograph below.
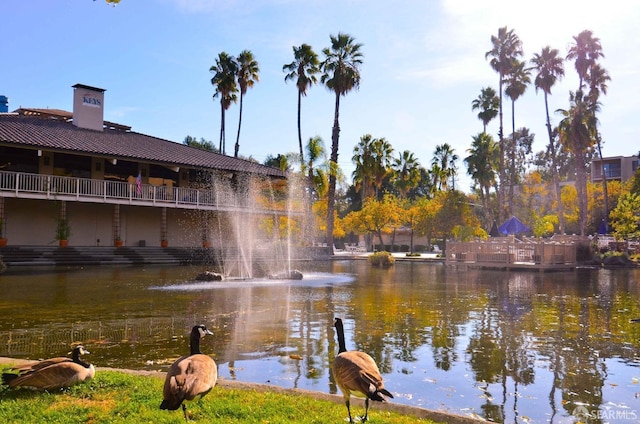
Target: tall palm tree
x=224 y=79
x=248 y=73
x=516 y=84
x=488 y=104
x=585 y=51
x=303 y=70
x=577 y=135
x=445 y=158
x=597 y=80
x=481 y=166
x=340 y=74
x=406 y=172
x=506 y=47
x=550 y=68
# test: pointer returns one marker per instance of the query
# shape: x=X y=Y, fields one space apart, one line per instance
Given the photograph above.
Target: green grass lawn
x=118 y=397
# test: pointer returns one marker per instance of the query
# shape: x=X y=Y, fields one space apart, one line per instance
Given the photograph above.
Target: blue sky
x=423 y=65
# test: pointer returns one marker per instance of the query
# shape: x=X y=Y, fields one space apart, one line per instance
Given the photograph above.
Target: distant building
x=616 y=168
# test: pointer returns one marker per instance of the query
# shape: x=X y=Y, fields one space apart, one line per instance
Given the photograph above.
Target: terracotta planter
x=164 y=243
x=63 y=243
x=3 y=241
x=117 y=243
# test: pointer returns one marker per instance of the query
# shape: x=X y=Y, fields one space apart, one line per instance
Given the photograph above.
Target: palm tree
x=550 y=68
x=577 y=135
x=517 y=81
x=597 y=80
x=224 y=79
x=406 y=172
x=248 y=73
x=316 y=166
x=488 y=104
x=381 y=163
x=362 y=175
x=585 y=51
x=372 y=157
x=444 y=159
x=341 y=74
x=481 y=166
x=506 y=47
x=303 y=70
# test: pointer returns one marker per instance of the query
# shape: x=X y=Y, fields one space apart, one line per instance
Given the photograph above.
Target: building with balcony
x=111 y=185
x=618 y=168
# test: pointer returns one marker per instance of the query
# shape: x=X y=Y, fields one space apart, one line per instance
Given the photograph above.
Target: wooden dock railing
x=512 y=253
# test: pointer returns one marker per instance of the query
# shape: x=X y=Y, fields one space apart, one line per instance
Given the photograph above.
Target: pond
x=505 y=346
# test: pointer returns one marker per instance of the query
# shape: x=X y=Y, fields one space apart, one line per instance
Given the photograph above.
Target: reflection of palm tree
x=341 y=74
x=549 y=66
x=248 y=74
x=303 y=70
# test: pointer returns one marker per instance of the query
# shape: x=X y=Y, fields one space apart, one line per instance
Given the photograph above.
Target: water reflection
x=509 y=347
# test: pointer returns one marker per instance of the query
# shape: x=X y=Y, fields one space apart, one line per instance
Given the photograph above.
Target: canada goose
x=189 y=377
x=356 y=372
x=51 y=374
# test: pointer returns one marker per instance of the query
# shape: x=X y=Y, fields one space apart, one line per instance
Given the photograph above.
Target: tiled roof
x=59 y=135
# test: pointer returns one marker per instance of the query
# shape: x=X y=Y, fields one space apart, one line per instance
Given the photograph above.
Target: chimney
x=4 y=104
x=88 y=107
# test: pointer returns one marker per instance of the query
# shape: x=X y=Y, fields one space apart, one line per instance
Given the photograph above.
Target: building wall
x=33 y=223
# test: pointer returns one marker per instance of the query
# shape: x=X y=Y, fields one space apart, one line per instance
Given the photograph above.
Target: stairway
x=17 y=256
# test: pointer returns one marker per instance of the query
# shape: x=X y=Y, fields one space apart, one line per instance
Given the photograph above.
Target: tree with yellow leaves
x=376 y=217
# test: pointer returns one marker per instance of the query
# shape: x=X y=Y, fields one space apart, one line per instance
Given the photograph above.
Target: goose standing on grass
x=52 y=374
x=189 y=377
x=357 y=373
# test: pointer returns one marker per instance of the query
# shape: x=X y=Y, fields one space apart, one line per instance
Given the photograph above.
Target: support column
x=115 y=230
x=163 y=228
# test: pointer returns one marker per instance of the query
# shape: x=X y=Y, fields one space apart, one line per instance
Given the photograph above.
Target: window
x=612 y=170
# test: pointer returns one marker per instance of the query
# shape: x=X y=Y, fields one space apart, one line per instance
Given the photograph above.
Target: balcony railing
x=38 y=186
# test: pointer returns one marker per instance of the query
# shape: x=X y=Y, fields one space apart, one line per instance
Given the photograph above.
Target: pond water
x=504 y=346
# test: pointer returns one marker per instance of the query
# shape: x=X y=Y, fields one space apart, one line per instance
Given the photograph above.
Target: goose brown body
x=189 y=377
x=52 y=374
x=356 y=373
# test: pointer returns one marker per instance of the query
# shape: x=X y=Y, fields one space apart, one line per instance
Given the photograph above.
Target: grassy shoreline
x=123 y=396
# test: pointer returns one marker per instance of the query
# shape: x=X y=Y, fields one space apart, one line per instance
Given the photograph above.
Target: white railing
x=38 y=186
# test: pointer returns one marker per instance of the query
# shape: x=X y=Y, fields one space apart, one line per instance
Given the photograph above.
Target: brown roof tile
x=59 y=135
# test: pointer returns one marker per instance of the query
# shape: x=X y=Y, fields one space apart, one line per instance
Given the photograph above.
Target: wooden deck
x=512 y=254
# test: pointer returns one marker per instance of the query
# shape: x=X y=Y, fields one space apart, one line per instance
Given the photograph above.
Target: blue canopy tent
x=513 y=226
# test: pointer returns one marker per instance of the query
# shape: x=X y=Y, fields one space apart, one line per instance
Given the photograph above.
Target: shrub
x=384 y=259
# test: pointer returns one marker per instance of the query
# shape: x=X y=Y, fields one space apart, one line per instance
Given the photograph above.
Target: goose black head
x=201 y=330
